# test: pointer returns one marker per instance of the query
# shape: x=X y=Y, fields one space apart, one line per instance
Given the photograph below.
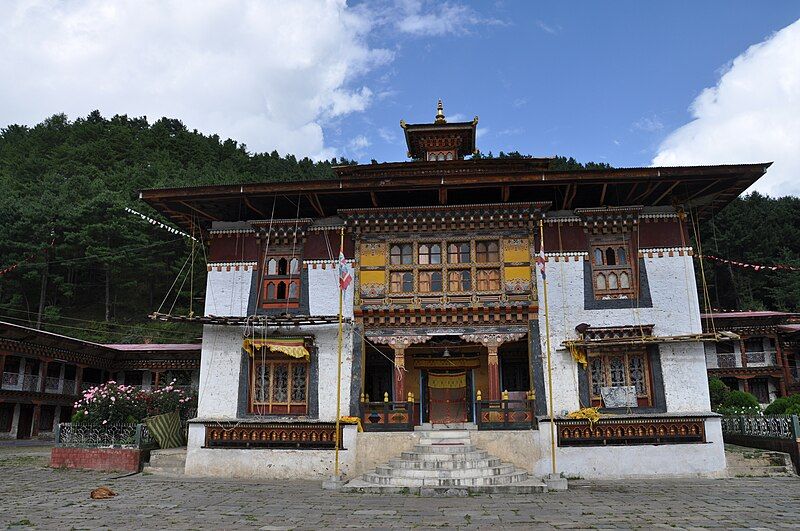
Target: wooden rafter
x=632 y=191
x=666 y=193
x=253 y=208
x=200 y=212
x=603 y=194
x=374 y=199
x=442 y=196
x=570 y=196
x=506 y=193
x=647 y=191
x=316 y=205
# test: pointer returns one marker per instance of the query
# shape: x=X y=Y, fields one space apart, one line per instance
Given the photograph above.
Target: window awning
x=293 y=347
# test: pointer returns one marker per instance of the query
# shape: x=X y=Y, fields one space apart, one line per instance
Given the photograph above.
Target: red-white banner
x=754 y=267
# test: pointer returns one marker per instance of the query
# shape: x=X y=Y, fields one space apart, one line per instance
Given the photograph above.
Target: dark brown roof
x=705 y=189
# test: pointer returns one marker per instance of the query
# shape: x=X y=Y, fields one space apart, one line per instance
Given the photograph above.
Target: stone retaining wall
x=105 y=459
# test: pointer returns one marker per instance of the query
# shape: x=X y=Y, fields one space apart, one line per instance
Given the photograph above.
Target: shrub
x=111 y=403
x=718 y=391
x=789 y=405
x=740 y=403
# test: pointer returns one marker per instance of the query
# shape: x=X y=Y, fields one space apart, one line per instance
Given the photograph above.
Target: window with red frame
x=281 y=285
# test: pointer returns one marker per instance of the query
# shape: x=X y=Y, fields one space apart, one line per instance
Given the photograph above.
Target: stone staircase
x=169 y=462
x=446 y=462
x=753 y=462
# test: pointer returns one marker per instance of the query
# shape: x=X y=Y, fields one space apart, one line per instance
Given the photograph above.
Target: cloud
x=387 y=135
x=267 y=73
x=751 y=115
x=511 y=132
x=552 y=30
x=431 y=18
x=357 y=146
x=520 y=102
x=648 y=124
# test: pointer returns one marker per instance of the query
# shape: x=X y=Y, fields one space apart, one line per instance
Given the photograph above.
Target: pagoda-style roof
x=702 y=189
x=440 y=135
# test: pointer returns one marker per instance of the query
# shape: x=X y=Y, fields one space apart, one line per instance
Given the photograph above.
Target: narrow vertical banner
x=345 y=277
x=541 y=262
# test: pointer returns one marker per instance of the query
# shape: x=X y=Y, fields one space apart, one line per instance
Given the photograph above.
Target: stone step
x=169 y=462
x=434 y=441
x=444 y=434
x=524 y=487
x=455 y=456
x=445 y=474
x=444 y=448
x=504 y=479
x=766 y=471
x=445 y=464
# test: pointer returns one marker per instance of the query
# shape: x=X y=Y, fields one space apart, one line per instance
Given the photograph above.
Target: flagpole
x=339 y=365
x=549 y=364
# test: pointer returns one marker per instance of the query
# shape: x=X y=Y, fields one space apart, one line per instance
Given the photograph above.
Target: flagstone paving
x=34 y=496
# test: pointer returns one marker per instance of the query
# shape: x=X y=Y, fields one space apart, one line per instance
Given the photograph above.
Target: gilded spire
x=440 y=113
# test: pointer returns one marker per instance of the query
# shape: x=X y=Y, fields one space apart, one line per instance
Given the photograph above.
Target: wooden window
x=487 y=252
x=458 y=253
x=459 y=281
x=279 y=387
x=612 y=272
x=488 y=279
x=400 y=254
x=620 y=369
x=402 y=282
x=281 y=287
x=430 y=281
x=430 y=254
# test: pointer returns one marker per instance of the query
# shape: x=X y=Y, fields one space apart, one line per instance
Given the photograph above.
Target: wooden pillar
x=399 y=387
x=783 y=362
x=746 y=385
x=744 y=352
x=494 y=372
x=2 y=368
x=43 y=374
x=37 y=413
x=157 y=379
x=78 y=379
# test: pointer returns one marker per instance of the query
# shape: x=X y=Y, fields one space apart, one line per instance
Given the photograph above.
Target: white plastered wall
x=323 y=290
x=228 y=292
x=675 y=311
x=612 y=462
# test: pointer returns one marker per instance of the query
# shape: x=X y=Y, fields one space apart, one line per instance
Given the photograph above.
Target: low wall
x=259 y=463
x=374 y=449
x=105 y=459
x=518 y=447
x=636 y=461
x=788 y=446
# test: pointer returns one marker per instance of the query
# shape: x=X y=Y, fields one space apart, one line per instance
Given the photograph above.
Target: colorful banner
x=293 y=347
x=447 y=381
x=755 y=267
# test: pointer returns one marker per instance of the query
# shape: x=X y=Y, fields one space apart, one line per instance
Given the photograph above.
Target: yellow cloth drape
x=352 y=420
x=578 y=354
x=447 y=381
x=293 y=347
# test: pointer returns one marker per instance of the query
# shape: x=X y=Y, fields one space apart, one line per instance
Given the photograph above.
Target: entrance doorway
x=448 y=396
x=25 y=422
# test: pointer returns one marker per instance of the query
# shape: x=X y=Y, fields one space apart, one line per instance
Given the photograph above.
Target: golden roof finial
x=440 y=113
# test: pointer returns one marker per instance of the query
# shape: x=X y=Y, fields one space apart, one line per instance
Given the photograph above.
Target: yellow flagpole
x=549 y=364
x=339 y=366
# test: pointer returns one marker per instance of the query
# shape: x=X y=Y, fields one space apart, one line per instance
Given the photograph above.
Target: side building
x=44 y=374
x=447 y=322
x=765 y=361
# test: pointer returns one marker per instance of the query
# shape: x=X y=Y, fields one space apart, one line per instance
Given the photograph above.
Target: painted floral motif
x=517 y=286
x=373 y=290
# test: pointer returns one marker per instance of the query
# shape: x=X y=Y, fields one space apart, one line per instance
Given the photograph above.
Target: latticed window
x=430 y=281
x=620 y=370
x=279 y=387
x=487 y=252
x=459 y=281
x=612 y=272
x=401 y=254
x=402 y=282
x=430 y=254
x=281 y=287
x=488 y=279
x=458 y=253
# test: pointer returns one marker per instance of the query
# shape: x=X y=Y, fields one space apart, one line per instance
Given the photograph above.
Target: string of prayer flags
x=160 y=225
x=755 y=267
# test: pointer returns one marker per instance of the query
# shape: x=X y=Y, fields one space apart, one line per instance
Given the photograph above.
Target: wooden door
x=25 y=422
x=448 y=400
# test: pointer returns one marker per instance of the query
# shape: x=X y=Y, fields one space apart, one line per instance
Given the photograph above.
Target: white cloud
x=511 y=131
x=387 y=135
x=649 y=124
x=357 y=146
x=436 y=18
x=551 y=29
x=752 y=115
x=267 y=73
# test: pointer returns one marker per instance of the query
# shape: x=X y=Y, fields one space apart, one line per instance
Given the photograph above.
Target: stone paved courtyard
x=34 y=496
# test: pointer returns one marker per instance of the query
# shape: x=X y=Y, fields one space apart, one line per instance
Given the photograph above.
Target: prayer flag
x=344 y=271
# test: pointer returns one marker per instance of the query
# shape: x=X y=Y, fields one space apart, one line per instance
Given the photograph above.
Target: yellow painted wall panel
x=372 y=255
x=372 y=277
x=517 y=250
x=518 y=273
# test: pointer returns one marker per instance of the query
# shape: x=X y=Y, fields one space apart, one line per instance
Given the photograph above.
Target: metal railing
x=505 y=414
x=79 y=435
x=768 y=426
x=387 y=416
x=726 y=361
x=10 y=380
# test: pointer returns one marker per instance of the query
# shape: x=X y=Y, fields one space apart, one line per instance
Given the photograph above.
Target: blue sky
x=603 y=81
x=630 y=83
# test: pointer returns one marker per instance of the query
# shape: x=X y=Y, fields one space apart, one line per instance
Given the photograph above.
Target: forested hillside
x=93 y=271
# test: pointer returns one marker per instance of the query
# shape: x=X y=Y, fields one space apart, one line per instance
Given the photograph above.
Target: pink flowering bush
x=112 y=403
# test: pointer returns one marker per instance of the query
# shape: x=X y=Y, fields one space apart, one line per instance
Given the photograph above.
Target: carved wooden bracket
x=492 y=340
x=399 y=342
